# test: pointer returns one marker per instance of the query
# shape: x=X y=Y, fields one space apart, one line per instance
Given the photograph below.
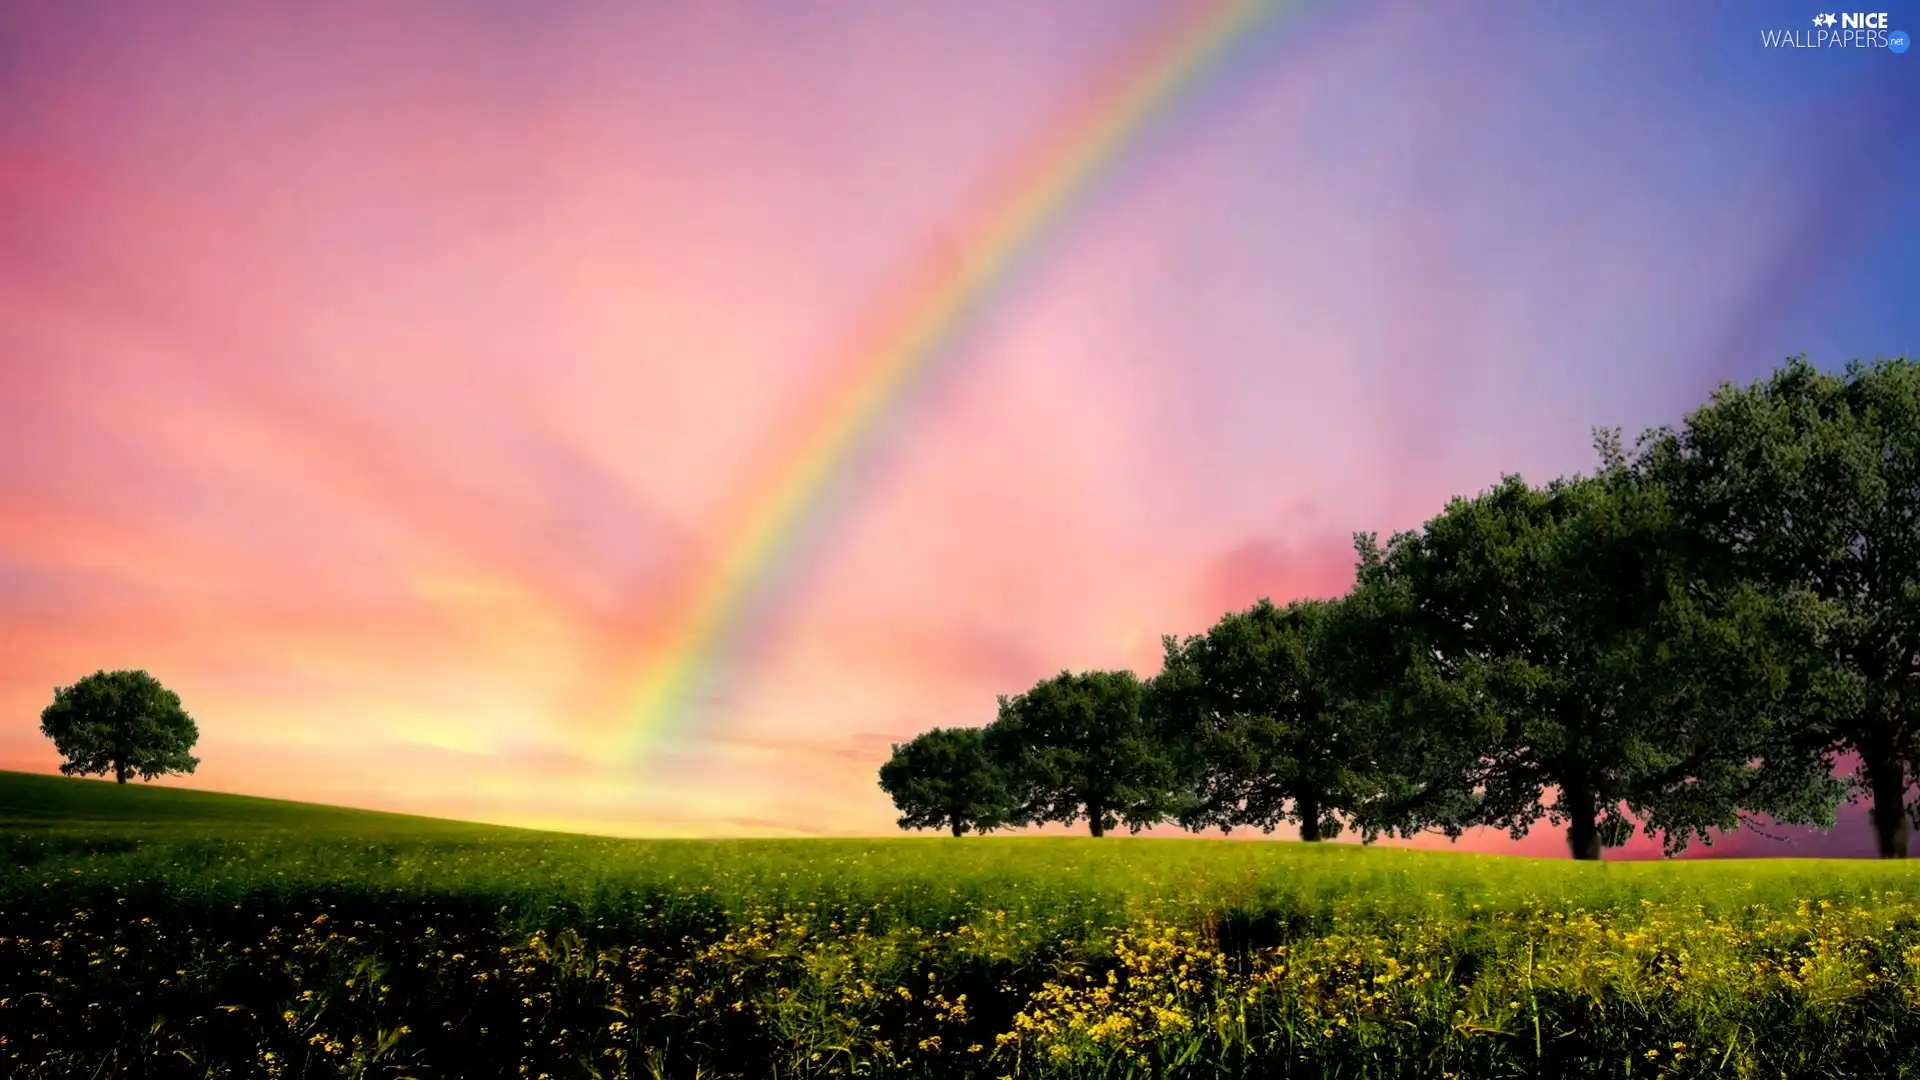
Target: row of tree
x=1688 y=640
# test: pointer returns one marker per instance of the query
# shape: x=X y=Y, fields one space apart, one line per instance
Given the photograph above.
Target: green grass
x=154 y=911
x=143 y=834
x=33 y=800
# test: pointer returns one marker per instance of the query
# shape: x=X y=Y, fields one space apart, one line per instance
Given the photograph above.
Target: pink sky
x=377 y=377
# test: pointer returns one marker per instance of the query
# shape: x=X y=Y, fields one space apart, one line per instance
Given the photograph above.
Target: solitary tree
x=943 y=778
x=1810 y=481
x=1562 y=645
x=1259 y=728
x=120 y=722
x=1077 y=746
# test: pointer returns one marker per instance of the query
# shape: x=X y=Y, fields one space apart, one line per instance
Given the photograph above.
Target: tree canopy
x=1077 y=747
x=1257 y=724
x=944 y=779
x=120 y=722
x=1563 y=647
x=1809 y=482
x=1688 y=640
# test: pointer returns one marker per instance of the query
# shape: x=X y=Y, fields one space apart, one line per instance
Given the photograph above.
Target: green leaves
x=120 y=722
x=1566 y=644
x=944 y=779
x=1253 y=719
x=1681 y=641
x=1807 y=485
x=1076 y=747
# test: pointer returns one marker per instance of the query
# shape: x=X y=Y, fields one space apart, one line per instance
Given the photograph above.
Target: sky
x=396 y=381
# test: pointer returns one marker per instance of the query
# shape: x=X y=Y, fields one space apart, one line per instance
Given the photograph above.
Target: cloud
x=1279 y=570
x=410 y=382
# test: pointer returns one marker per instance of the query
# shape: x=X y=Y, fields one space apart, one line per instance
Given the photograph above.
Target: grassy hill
x=203 y=934
x=238 y=846
x=30 y=800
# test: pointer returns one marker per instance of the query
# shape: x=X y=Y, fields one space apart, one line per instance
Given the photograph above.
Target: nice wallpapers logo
x=1847 y=30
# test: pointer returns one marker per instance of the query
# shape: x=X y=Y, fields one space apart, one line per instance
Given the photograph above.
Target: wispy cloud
x=386 y=382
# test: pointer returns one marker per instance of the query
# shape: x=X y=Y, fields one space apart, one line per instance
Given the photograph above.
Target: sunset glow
x=635 y=418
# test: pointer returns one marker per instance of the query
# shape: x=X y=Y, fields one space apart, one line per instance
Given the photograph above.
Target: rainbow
x=905 y=347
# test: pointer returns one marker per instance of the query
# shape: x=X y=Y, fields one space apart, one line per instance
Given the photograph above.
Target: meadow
x=163 y=933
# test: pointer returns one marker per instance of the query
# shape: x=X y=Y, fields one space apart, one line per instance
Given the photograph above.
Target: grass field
x=163 y=933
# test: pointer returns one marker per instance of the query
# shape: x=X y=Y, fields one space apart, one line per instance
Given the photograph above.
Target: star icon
x=1819 y=20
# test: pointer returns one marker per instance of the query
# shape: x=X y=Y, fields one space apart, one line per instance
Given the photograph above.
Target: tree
x=1373 y=660
x=943 y=778
x=1810 y=482
x=122 y=722
x=1258 y=725
x=1562 y=643
x=1077 y=746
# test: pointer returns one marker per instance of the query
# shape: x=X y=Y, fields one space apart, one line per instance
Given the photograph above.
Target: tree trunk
x=120 y=771
x=1887 y=777
x=959 y=828
x=1307 y=809
x=1096 y=819
x=1583 y=826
